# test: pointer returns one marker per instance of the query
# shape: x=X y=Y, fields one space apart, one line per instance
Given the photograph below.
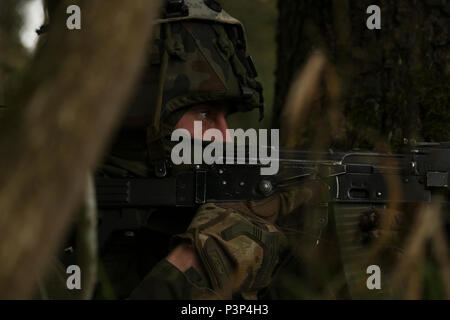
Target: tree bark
x=51 y=138
x=393 y=84
x=394 y=80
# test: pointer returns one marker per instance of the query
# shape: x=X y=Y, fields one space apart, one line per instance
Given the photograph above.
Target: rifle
x=353 y=177
x=357 y=182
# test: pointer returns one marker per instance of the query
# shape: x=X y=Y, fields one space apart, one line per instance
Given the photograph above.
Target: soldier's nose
x=222 y=126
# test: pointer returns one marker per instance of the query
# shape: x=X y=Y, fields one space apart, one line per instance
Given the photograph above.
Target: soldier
x=199 y=70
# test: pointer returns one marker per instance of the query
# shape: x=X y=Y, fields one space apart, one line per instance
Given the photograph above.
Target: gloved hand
x=239 y=245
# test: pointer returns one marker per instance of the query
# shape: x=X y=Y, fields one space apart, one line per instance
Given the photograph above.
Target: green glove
x=238 y=243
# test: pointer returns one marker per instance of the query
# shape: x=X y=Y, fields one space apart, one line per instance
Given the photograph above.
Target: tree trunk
x=394 y=80
x=51 y=138
x=392 y=84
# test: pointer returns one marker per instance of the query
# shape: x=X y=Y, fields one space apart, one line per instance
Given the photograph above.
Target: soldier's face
x=212 y=116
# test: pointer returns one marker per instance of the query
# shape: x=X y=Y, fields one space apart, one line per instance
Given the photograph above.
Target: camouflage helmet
x=199 y=55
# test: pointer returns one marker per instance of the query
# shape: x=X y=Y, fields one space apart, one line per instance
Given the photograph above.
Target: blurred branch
x=87 y=241
x=72 y=98
x=313 y=97
x=304 y=90
x=428 y=229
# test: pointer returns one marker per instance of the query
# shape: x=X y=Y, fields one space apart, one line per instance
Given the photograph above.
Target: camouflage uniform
x=199 y=56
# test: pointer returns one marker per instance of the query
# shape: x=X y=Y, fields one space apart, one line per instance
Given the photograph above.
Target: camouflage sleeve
x=238 y=253
x=166 y=282
x=239 y=247
x=238 y=250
